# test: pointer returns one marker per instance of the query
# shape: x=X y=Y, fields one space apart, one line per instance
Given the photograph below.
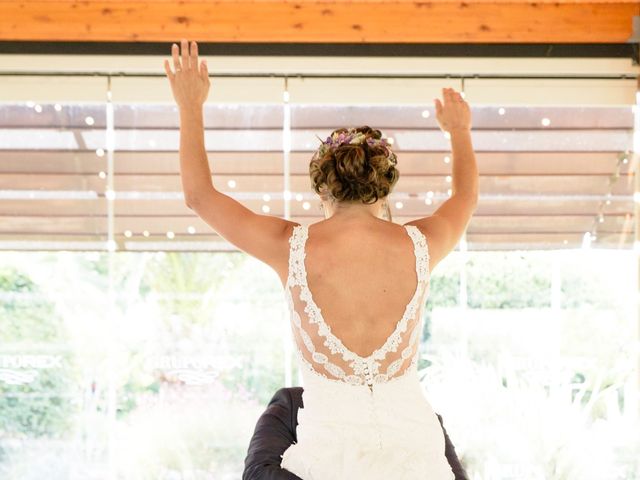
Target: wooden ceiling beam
x=363 y=21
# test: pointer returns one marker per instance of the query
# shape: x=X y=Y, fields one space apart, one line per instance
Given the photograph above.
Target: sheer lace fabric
x=324 y=353
x=364 y=418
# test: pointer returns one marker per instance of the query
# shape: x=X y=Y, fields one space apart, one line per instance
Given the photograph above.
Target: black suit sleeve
x=452 y=457
x=274 y=433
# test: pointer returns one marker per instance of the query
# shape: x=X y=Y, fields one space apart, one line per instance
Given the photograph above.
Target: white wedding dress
x=363 y=418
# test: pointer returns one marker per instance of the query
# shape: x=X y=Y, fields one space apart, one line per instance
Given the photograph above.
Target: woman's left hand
x=190 y=81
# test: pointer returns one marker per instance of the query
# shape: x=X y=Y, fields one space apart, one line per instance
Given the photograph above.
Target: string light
x=623 y=158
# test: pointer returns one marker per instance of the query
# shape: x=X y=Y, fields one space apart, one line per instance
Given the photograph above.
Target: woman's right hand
x=454 y=113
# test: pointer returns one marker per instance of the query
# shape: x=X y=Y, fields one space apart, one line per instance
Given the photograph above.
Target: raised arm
x=262 y=236
x=445 y=226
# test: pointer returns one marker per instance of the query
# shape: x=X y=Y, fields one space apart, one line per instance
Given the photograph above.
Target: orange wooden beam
x=323 y=21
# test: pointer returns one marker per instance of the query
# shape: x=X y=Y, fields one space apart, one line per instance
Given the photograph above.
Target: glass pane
x=136 y=342
x=53 y=415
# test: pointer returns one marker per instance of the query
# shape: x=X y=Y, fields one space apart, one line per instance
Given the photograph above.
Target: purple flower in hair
x=354 y=137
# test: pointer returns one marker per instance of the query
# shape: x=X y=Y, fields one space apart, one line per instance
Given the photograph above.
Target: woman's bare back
x=362 y=275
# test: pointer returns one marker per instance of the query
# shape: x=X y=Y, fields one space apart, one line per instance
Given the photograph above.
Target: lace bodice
x=324 y=353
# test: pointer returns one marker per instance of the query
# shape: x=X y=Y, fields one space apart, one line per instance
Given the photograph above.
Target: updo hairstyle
x=354 y=172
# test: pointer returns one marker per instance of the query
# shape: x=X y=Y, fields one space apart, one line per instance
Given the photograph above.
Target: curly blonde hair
x=354 y=172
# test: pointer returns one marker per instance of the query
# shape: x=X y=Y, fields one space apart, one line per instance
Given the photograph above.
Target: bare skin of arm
x=266 y=237
x=447 y=224
x=262 y=236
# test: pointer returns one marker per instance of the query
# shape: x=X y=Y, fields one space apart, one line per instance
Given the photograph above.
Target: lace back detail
x=324 y=353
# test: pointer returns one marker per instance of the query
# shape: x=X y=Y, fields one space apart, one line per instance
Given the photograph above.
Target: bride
x=355 y=284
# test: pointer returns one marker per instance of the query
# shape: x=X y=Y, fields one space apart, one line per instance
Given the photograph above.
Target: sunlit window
x=136 y=342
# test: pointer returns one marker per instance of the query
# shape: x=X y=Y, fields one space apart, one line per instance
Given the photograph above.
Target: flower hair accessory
x=354 y=137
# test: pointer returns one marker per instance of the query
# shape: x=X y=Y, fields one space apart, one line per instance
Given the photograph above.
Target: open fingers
x=185 y=54
x=205 y=70
x=447 y=95
x=176 y=59
x=451 y=96
x=438 y=106
x=167 y=68
x=193 y=55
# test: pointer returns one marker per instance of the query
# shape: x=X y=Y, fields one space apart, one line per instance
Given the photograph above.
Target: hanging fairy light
x=623 y=159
